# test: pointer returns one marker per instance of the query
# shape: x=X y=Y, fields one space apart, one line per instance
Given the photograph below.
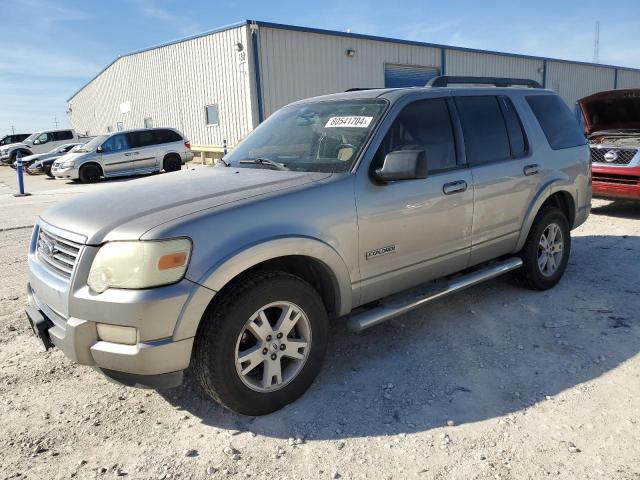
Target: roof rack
x=446 y=80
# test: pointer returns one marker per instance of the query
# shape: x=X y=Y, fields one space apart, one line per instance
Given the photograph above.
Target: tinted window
x=559 y=126
x=485 y=134
x=422 y=125
x=116 y=143
x=517 y=139
x=42 y=138
x=63 y=135
x=166 y=136
x=141 y=139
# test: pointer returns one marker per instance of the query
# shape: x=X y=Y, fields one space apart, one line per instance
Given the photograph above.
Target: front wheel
x=89 y=173
x=262 y=344
x=546 y=252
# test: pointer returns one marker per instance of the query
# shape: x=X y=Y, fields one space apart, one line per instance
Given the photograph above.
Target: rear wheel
x=262 y=344
x=89 y=173
x=546 y=252
x=172 y=164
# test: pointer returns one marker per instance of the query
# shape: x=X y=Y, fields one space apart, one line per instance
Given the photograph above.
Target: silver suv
x=326 y=210
x=125 y=153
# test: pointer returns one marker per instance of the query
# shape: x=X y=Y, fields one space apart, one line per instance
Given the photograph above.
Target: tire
x=89 y=173
x=172 y=164
x=224 y=335
x=47 y=170
x=537 y=273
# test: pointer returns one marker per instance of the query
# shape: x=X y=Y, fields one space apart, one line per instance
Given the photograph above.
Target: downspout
x=544 y=74
x=256 y=69
x=443 y=61
x=615 y=79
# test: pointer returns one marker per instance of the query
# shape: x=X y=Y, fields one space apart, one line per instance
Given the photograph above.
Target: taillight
x=187 y=144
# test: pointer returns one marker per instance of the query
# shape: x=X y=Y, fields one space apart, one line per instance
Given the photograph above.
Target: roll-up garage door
x=398 y=76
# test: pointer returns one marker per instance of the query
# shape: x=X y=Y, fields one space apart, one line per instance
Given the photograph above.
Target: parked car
x=41 y=162
x=369 y=204
x=14 y=138
x=39 y=142
x=125 y=153
x=612 y=125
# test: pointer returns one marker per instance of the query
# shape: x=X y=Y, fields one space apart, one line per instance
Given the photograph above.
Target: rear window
x=485 y=134
x=63 y=135
x=166 y=136
x=558 y=124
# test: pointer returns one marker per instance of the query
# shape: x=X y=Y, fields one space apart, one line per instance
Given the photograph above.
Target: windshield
x=314 y=137
x=92 y=145
x=32 y=137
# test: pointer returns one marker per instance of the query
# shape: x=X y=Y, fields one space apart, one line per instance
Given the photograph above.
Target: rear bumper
x=616 y=182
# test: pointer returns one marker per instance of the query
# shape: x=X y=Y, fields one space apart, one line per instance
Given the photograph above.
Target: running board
x=392 y=307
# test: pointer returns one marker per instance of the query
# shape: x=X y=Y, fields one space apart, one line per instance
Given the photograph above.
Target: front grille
x=612 y=156
x=59 y=254
x=614 y=178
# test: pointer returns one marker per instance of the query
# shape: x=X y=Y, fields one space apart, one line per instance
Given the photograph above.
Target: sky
x=49 y=49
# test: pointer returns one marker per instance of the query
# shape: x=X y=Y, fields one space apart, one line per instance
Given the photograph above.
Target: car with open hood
x=354 y=207
x=612 y=125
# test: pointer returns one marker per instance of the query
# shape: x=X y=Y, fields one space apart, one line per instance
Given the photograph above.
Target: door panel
x=429 y=232
x=413 y=231
x=115 y=155
x=144 y=151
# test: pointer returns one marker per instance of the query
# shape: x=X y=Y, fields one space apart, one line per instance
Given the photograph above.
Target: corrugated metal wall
x=172 y=85
x=481 y=64
x=628 y=79
x=574 y=81
x=296 y=65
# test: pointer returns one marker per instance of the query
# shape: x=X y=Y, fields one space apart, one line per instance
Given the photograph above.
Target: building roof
x=348 y=35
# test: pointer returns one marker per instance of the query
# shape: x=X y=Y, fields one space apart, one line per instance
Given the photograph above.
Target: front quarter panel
x=317 y=220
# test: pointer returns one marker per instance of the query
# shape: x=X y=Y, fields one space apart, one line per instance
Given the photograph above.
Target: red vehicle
x=612 y=126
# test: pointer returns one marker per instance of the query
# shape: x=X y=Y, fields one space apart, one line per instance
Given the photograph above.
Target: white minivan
x=125 y=153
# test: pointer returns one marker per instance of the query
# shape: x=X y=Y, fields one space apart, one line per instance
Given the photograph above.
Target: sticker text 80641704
x=352 y=121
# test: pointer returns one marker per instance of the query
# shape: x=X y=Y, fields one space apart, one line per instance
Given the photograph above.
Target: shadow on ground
x=483 y=353
x=619 y=209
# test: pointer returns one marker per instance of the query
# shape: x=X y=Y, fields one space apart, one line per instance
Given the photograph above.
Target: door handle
x=531 y=169
x=454 y=187
x=132 y=153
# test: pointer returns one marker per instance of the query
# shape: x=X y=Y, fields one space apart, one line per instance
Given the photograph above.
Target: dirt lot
x=497 y=382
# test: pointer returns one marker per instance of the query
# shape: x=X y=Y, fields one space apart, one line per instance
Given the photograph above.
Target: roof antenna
x=596 y=44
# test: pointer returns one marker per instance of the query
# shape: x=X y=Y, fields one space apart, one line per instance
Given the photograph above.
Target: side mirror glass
x=402 y=165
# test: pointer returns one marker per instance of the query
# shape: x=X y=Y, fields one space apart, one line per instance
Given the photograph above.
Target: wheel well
x=171 y=155
x=563 y=201
x=92 y=163
x=309 y=269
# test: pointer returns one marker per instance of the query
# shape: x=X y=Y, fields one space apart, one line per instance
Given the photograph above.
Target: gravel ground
x=495 y=382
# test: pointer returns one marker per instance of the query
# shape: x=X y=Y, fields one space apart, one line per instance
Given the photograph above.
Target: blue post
x=21 y=192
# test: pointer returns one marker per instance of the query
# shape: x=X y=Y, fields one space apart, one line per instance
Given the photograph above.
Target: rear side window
x=63 y=135
x=558 y=124
x=141 y=139
x=166 y=136
x=422 y=125
x=485 y=134
x=517 y=138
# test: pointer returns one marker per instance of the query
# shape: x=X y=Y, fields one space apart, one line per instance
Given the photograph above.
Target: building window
x=120 y=126
x=213 y=117
x=148 y=122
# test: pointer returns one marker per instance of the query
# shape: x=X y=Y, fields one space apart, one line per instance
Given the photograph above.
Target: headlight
x=65 y=164
x=139 y=264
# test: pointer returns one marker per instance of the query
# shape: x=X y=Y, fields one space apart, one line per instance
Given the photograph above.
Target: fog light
x=117 y=334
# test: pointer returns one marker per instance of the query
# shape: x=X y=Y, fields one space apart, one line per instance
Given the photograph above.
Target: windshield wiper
x=264 y=162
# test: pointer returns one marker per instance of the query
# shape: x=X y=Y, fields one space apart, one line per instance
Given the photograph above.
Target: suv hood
x=125 y=211
x=13 y=146
x=611 y=110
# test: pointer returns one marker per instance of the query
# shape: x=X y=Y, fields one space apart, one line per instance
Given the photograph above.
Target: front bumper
x=70 y=173
x=616 y=182
x=165 y=319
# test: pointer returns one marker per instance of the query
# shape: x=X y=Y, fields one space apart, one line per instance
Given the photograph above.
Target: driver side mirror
x=402 y=165
x=99 y=149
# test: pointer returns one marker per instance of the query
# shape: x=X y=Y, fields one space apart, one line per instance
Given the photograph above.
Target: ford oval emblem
x=611 y=156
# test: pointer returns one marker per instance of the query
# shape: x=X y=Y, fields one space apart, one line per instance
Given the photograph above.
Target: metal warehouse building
x=219 y=85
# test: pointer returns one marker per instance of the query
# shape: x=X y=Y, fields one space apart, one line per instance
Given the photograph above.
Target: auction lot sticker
x=351 y=122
